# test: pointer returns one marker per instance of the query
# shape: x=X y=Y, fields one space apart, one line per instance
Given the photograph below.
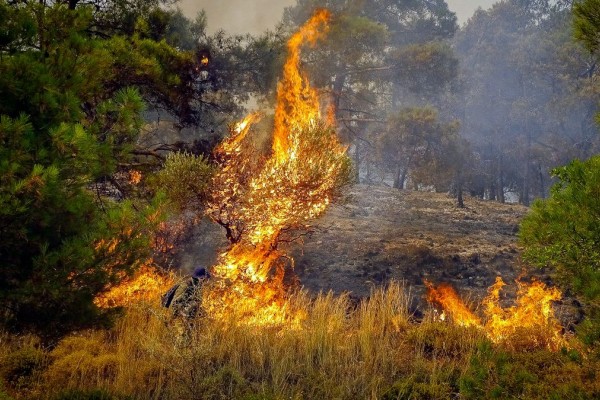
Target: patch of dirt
x=380 y=233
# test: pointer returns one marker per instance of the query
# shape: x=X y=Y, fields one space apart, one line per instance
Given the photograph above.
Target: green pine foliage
x=586 y=24
x=70 y=115
x=563 y=232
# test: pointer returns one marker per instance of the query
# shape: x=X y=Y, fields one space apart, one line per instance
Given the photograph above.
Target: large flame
x=256 y=199
x=530 y=321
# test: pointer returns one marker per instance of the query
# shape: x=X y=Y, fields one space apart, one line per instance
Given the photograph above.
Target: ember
x=257 y=199
x=532 y=315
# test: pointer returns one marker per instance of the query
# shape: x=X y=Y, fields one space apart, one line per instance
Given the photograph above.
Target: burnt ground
x=377 y=234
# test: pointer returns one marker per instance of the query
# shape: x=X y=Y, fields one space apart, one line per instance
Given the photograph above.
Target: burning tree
x=257 y=199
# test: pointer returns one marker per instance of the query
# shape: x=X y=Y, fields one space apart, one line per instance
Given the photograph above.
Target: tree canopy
x=70 y=114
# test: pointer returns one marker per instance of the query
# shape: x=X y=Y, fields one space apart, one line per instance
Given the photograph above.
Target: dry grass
x=372 y=350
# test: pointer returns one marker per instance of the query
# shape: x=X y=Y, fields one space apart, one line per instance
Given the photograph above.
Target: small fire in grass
x=528 y=323
x=257 y=199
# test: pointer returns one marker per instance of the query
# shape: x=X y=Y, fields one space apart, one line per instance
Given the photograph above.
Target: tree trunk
x=357 y=160
x=500 y=196
x=459 y=189
x=542 y=183
x=526 y=178
x=399 y=178
x=336 y=93
x=403 y=178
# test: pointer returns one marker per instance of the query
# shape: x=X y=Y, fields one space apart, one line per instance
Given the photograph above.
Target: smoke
x=464 y=9
x=238 y=16
x=256 y=16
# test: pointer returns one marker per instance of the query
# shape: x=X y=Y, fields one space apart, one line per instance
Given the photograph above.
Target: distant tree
x=379 y=56
x=416 y=144
x=525 y=81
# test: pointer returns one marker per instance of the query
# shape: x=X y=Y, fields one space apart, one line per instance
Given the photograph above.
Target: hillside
x=379 y=233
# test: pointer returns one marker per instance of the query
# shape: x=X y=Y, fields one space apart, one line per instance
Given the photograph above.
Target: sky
x=256 y=16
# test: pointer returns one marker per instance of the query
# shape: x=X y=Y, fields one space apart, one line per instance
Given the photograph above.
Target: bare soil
x=380 y=233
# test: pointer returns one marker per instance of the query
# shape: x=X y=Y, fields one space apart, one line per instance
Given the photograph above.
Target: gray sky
x=255 y=16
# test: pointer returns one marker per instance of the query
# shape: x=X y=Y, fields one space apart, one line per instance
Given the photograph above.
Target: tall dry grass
x=340 y=350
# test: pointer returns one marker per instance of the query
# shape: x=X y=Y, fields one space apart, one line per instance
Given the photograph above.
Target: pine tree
x=70 y=114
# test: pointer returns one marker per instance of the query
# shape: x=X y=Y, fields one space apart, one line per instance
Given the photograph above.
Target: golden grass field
x=338 y=350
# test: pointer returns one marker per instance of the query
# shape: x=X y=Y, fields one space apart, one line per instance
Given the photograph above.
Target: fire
x=258 y=198
x=297 y=102
x=445 y=297
x=148 y=284
x=530 y=320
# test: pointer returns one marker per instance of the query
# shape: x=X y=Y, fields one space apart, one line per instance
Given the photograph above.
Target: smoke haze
x=464 y=9
x=238 y=16
x=256 y=16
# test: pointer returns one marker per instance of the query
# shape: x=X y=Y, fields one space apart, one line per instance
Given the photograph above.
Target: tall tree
x=416 y=144
x=70 y=114
x=524 y=83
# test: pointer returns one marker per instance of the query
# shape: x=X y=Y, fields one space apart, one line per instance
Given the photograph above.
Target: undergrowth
x=373 y=350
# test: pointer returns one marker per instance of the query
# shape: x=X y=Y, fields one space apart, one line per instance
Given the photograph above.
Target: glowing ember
x=530 y=320
x=146 y=285
x=257 y=198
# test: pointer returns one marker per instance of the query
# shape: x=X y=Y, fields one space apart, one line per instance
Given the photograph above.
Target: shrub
x=21 y=365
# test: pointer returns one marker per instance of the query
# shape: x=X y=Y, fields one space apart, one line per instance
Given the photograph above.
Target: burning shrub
x=147 y=284
x=529 y=324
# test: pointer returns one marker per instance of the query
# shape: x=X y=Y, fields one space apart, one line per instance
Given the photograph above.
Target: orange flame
x=297 y=102
x=148 y=284
x=532 y=315
x=256 y=198
x=445 y=297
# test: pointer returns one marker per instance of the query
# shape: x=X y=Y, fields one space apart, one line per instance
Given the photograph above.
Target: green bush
x=542 y=374
x=562 y=232
x=185 y=178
